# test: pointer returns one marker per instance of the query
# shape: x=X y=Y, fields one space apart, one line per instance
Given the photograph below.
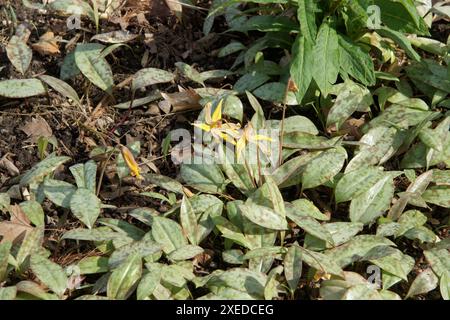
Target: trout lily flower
x=215 y=125
x=131 y=162
x=249 y=136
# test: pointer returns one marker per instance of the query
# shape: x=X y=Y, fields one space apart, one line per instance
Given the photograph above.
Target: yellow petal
x=131 y=163
x=217 y=115
x=240 y=145
x=208 y=119
x=258 y=137
x=226 y=137
x=202 y=126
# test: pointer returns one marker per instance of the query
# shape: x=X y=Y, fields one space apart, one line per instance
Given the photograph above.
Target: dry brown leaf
x=9 y=166
x=37 y=128
x=47 y=44
x=18 y=226
x=182 y=101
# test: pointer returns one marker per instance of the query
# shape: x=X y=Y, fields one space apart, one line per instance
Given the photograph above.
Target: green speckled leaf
x=93 y=66
x=168 y=234
x=59 y=192
x=42 y=169
x=21 y=88
x=150 y=76
x=19 y=54
x=124 y=278
x=85 y=206
x=323 y=168
x=49 y=273
x=371 y=204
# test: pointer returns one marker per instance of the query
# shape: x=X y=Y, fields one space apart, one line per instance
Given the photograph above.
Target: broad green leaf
x=401 y=40
x=323 y=168
x=59 y=192
x=230 y=48
x=21 y=88
x=233 y=108
x=244 y=280
x=441 y=177
x=423 y=283
x=32 y=290
x=356 y=62
x=303 y=140
x=49 y=273
x=85 y=205
x=444 y=285
x=5 y=248
x=401 y=16
x=409 y=220
x=98 y=234
x=62 y=87
x=371 y=204
x=150 y=76
x=355 y=249
x=306 y=15
x=164 y=182
x=305 y=208
x=356 y=182
x=264 y=217
x=325 y=68
x=312 y=227
x=30 y=244
x=397 y=264
x=250 y=81
x=189 y=72
x=19 y=54
x=69 y=69
x=185 y=253
x=206 y=178
x=168 y=234
x=42 y=169
x=361 y=292
x=293 y=267
x=8 y=293
x=232 y=232
x=85 y=175
x=321 y=262
x=438 y=195
x=142 y=248
x=93 y=265
x=351 y=98
x=302 y=64
x=276 y=92
x=124 y=278
x=34 y=212
x=379 y=145
x=93 y=66
x=188 y=221
x=439 y=260
x=233 y=256
x=148 y=282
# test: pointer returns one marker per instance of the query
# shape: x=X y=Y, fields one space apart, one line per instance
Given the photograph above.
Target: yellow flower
x=131 y=163
x=249 y=136
x=214 y=124
x=321 y=275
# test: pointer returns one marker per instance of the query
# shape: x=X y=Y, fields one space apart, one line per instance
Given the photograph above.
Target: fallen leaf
x=182 y=101
x=37 y=128
x=18 y=226
x=9 y=166
x=47 y=44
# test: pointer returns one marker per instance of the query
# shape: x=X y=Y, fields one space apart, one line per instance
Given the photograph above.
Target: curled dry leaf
x=182 y=101
x=37 y=128
x=47 y=44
